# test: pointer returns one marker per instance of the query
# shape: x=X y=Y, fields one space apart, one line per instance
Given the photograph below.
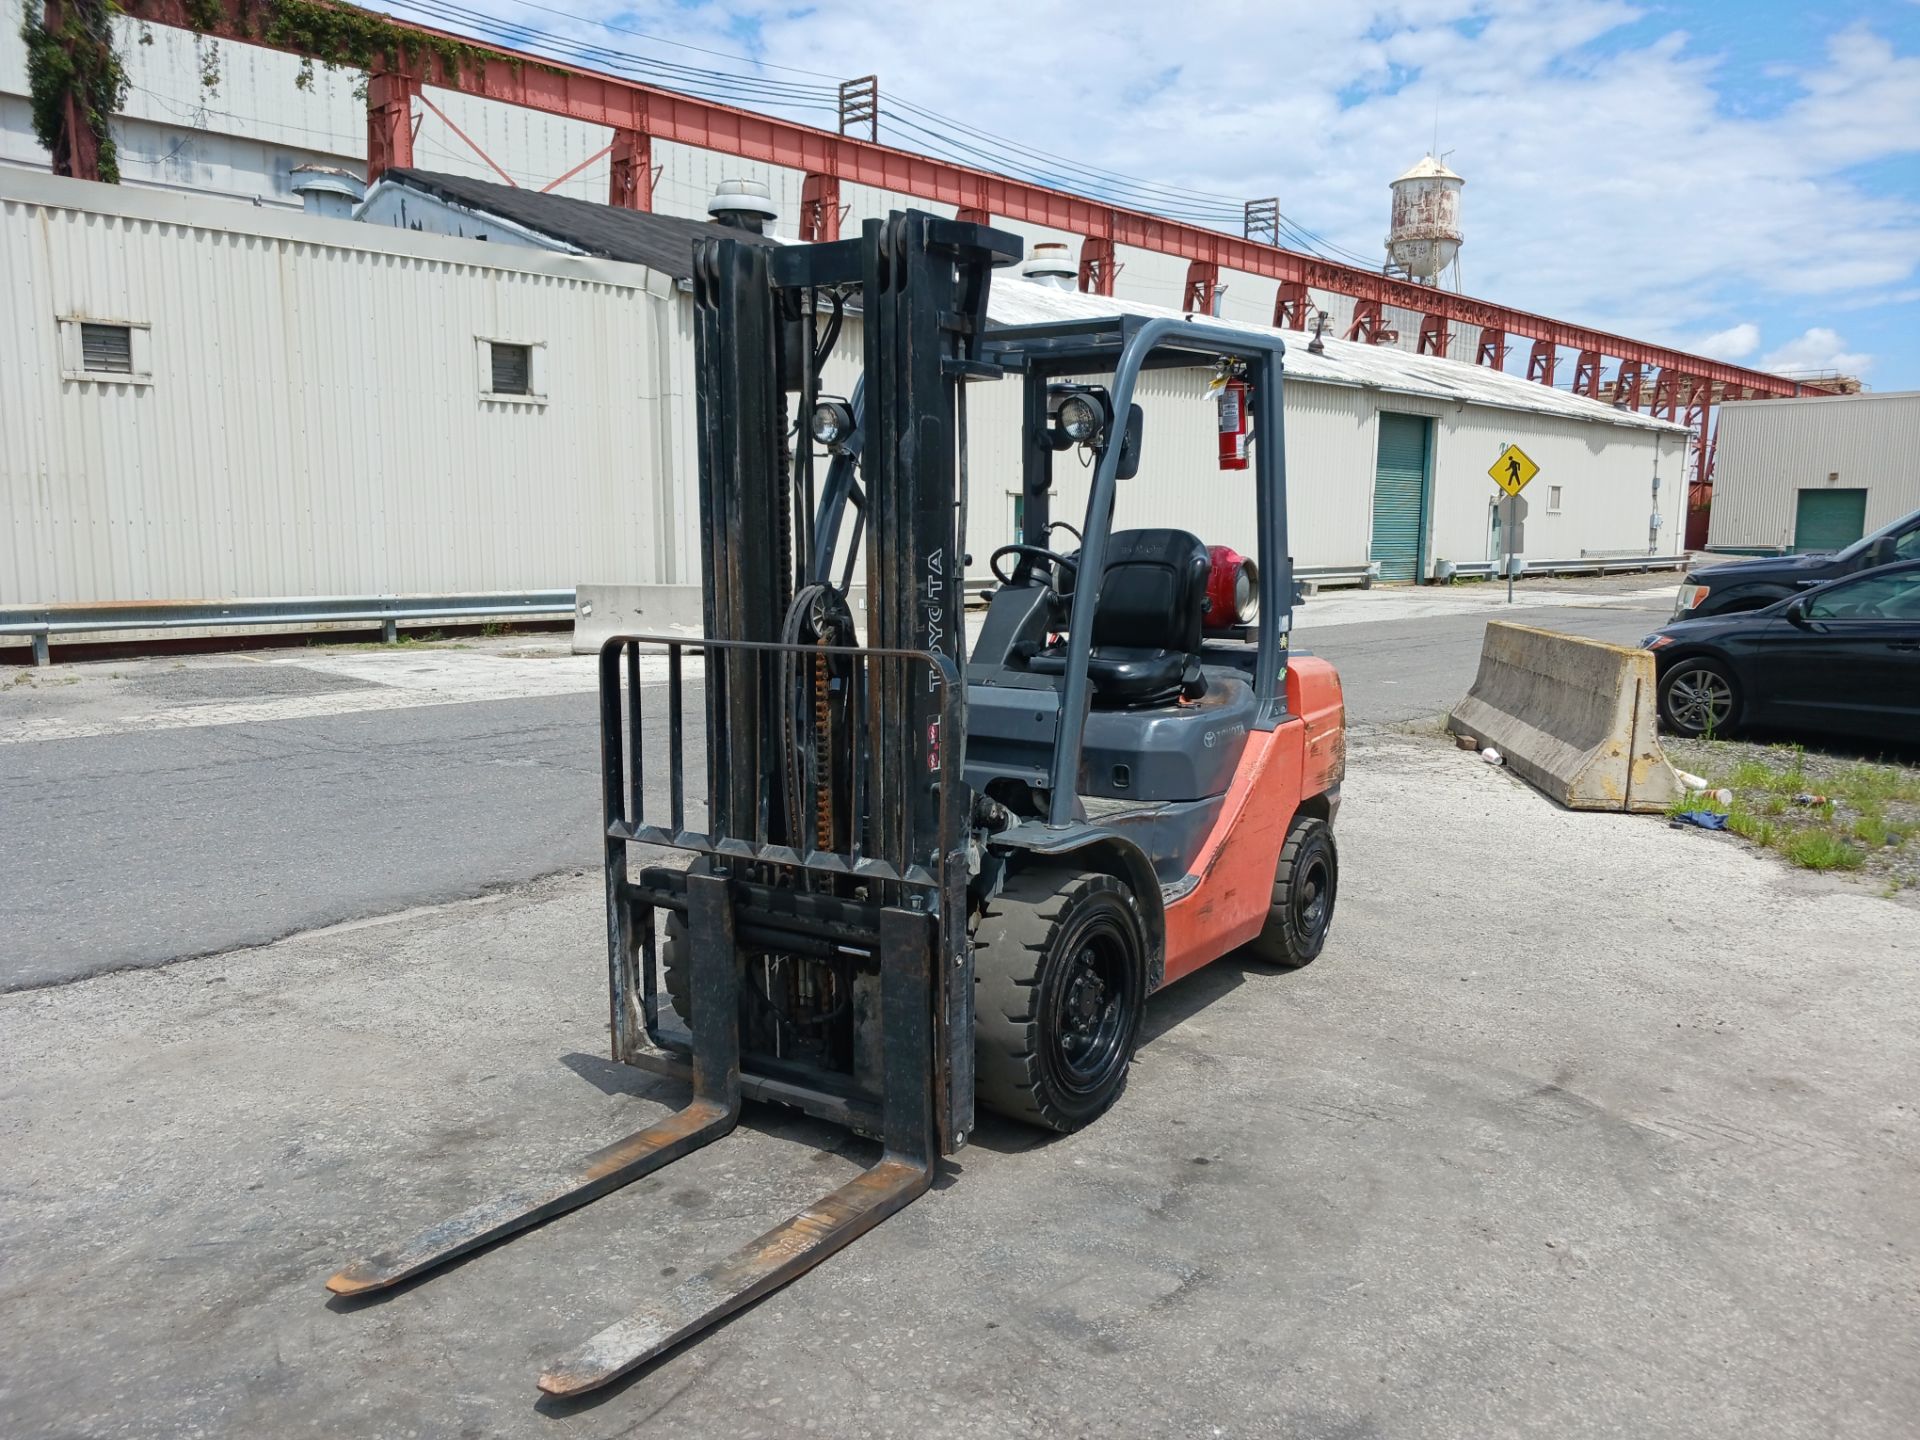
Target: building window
x=1553 y=499
x=105 y=351
x=512 y=370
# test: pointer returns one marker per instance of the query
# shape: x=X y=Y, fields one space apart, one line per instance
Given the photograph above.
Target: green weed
x=1821 y=850
x=1749 y=826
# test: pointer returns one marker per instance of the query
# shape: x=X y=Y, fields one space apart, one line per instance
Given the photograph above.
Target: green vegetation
x=79 y=62
x=1816 y=811
x=76 y=62
x=1821 y=850
x=343 y=37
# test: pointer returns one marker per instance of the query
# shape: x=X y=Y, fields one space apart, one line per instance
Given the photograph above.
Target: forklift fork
x=715 y=1110
x=903 y=1172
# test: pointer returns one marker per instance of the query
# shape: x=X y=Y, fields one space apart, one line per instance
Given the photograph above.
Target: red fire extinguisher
x=1235 y=423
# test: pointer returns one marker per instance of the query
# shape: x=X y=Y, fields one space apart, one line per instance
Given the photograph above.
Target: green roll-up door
x=1829 y=519
x=1399 y=486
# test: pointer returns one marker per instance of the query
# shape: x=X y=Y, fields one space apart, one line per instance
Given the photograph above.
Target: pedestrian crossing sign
x=1513 y=470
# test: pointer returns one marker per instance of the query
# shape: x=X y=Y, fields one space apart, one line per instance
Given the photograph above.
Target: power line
x=708 y=84
x=1230 y=202
x=994 y=151
x=968 y=154
x=677 y=44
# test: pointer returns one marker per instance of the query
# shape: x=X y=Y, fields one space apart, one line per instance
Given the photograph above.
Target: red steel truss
x=640 y=114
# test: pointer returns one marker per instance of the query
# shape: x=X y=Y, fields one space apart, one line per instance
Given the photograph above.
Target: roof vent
x=743 y=204
x=327 y=190
x=1052 y=264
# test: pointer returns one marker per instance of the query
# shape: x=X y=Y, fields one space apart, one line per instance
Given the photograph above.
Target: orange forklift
x=928 y=873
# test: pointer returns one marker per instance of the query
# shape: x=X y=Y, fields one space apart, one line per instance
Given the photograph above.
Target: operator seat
x=1146 y=627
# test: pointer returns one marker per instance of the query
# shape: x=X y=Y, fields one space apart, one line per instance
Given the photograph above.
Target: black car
x=1843 y=658
x=1750 y=584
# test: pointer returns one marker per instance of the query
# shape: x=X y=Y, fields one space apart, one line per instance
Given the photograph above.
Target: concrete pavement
x=1501 y=1163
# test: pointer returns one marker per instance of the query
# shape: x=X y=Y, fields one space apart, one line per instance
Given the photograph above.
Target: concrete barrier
x=603 y=611
x=1574 y=717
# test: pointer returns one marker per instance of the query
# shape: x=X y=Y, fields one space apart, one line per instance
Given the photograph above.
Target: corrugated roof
x=660 y=242
x=1015 y=301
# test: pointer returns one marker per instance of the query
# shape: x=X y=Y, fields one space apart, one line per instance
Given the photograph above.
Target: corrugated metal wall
x=1605 y=474
x=1769 y=450
x=315 y=424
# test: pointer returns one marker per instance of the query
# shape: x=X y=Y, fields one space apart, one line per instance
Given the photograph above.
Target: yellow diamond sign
x=1513 y=470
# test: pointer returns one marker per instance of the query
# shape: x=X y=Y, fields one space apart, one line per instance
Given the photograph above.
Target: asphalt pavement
x=159 y=809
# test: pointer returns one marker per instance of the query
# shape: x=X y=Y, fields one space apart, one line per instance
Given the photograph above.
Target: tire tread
x=1015 y=932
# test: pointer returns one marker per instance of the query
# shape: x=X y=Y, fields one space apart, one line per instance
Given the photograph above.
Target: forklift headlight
x=1081 y=418
x=831 y=422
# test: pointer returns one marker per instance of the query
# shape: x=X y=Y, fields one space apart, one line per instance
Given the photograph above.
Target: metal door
x=1829 y=519
x=1399 y=496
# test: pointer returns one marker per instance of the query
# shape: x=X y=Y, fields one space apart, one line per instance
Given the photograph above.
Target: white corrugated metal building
x=1346 y=411
x=306 y=410
x=305 y=414
x=1814 y=473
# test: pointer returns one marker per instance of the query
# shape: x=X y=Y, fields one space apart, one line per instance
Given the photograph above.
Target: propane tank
x=1234 y=424
x=1233 y=589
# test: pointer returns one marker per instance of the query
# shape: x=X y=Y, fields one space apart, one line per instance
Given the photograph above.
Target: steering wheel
x=1052 y=561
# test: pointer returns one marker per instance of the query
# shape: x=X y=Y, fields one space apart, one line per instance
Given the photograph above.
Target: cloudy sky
x=1739 y=178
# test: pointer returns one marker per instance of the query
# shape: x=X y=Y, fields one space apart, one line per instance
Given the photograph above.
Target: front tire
x=1306 y=882
x=1060 y=987
x=1699 y=696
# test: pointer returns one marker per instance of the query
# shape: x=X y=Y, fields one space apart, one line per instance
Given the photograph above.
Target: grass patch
x=1867 y=818
x=1749 y=826
x=1821 y=850
x=1875 y=832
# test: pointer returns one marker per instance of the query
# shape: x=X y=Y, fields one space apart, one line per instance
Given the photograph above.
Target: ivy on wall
x=75 y=61
x=79 y=60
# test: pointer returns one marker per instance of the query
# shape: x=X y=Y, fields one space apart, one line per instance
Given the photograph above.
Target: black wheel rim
x=1313 y=896
x=1090 y=1009
x=1699 y=700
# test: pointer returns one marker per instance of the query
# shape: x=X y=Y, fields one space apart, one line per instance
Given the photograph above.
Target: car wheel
x=1698 y=697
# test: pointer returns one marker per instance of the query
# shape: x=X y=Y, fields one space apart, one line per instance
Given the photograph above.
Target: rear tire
x=1699 y=696
x=1306 y=882
x=1060 y=987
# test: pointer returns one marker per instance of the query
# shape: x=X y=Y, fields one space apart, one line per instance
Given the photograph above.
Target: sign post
x=1511 y=472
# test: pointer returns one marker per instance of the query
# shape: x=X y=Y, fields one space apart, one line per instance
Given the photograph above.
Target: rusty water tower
x=1425 y=237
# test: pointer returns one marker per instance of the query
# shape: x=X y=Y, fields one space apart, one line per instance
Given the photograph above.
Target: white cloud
x=1603 y=184
x=1735 y=343
x=1818 y=349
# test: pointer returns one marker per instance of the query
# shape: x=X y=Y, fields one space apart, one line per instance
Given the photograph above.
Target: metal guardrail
x=1311 y=578
x=39 y=623
x=1587 y=565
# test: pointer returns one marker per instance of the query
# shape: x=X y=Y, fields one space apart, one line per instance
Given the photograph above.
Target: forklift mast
x=922 y=284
